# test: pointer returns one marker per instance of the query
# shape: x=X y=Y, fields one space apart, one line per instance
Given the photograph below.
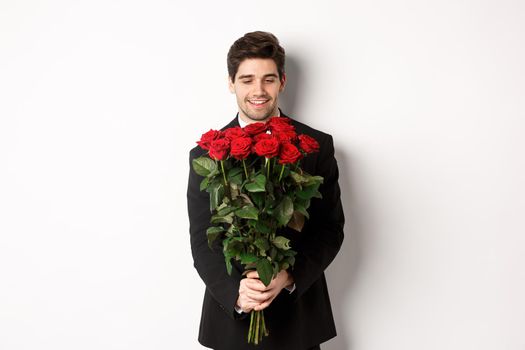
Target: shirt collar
x=242 y=123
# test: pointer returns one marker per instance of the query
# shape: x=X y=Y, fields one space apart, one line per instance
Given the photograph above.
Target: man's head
x=256 y=75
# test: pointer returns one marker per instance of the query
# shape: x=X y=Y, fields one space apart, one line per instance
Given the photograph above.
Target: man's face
x=257 y=89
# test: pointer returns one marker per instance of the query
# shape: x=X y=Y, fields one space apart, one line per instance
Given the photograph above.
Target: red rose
x=286 y=136
x=308 y=144
x=233 y=133
x=277 y=125
x=267 y=147
x=241 y=148
x=219 y=149
x=279 y=120
x=260 y=137
x=208 y=137
x=289 y=154
x=255 y=128
x=282 y=129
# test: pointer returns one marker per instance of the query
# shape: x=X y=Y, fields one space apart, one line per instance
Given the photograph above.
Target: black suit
x=296 y=321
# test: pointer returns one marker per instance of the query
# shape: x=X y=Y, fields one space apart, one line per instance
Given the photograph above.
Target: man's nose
x=259 y=87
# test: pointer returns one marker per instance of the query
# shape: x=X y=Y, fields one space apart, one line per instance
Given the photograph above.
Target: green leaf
x=213 y=232
x=216 y=190
x=302 y=210
x=247 y=212
x=311 y=180
x=284 y=211
x=204 y=166
x=261 y=227
x=290 y=260
x=275 y=268
x=273 y=252
x=298 y=178
x=248 y=258
x=289 y=252
x=309 y=192
x=204 y=184
x=305 y=203
x=258 y=199
x=246 y=199
x=228 y=264
x=262 y=244
x=235 y=175
x=265 y=271
x=258 y=184
x=281 y=242
x=226 y=210
x=216 y=219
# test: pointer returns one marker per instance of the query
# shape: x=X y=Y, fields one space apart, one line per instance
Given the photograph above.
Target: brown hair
x=255 y=45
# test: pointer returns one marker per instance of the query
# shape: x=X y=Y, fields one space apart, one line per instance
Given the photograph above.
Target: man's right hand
x=251 y=294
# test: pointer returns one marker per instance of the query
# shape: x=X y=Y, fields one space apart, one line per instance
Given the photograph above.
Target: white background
x=100 y=102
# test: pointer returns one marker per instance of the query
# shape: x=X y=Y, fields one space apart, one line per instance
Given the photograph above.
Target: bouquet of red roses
x=257 y=186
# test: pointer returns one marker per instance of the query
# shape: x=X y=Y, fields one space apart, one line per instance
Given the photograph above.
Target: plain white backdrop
x=100 y=102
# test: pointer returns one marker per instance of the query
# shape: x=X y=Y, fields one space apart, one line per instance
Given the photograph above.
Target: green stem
x=265 y=331
x=223 y=173
x=296 y=165
x=244 y=165
x=282 y=171
x=250 y=332
x=257 y=327
x=267 y=169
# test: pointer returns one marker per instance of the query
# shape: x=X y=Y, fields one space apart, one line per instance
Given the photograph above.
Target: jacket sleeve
x=209 y=263
x=323 y=233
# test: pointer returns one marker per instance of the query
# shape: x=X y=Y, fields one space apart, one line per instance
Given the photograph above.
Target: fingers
x=257 y=291
x=278 y=281
x=253 y=290
x=264 y=305
x=252 y=274
x=258 y=296
x=254 y=295
x=247 y=306
x=253 y=284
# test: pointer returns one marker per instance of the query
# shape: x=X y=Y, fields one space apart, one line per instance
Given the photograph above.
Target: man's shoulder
x=302 y=128
x=196 y=152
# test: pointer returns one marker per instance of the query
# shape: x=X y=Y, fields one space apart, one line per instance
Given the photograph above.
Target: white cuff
x=290 y=289
x=237 y=309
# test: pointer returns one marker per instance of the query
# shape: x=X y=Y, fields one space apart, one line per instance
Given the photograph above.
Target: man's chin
x=259 y=117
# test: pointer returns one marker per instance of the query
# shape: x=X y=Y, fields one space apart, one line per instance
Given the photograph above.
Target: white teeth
x=257 y=102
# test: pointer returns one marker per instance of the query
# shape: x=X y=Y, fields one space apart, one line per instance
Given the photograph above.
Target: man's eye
x=270 y=80
x=246 y=81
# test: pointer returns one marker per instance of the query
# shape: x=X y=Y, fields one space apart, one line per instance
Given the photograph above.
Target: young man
x=296 y=304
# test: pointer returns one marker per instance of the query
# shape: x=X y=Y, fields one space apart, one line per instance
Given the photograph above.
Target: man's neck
x=243 y=123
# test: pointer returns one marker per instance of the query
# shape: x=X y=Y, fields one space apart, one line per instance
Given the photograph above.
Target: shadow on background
x=342 y=272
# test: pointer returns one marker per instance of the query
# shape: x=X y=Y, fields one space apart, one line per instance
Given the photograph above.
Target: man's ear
x=230 y=85
x=283 y=83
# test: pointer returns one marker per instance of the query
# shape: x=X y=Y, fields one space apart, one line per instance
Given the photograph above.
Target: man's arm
x=325 y=235
x=209 y=263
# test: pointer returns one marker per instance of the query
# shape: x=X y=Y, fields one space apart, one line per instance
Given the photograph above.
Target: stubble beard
x=259 y=118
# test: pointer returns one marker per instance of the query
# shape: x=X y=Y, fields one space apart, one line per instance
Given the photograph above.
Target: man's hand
x=254 y=295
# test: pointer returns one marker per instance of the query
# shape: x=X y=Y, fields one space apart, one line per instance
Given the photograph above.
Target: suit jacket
x=297 y=320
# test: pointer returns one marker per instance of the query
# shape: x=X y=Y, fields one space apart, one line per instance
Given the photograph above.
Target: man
x=296 y=304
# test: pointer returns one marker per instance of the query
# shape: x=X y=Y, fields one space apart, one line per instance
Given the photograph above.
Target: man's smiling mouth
x=258 y=103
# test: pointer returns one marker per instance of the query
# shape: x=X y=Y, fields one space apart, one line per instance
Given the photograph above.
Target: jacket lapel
x=233 y=123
